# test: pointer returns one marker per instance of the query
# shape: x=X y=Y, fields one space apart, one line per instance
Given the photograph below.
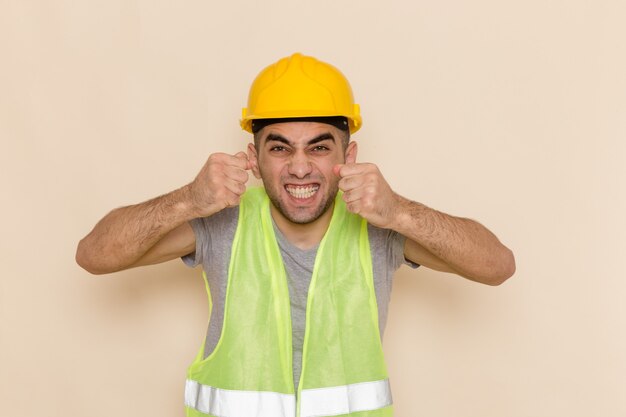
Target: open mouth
x=302 y=191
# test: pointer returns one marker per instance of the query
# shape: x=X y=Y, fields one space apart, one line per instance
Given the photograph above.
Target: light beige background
x=512 y=113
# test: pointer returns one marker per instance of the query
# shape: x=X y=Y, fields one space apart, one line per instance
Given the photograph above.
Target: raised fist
x=220 y=183
x=367 y=193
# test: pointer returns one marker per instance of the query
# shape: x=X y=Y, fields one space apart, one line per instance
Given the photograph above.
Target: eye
x=277 y=149
x=320 y=148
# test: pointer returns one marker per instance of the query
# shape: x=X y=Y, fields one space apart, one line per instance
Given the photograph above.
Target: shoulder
x=224 y=216
x=216 y=223
x=384 y=236
x=388 y=245
x=212 y=233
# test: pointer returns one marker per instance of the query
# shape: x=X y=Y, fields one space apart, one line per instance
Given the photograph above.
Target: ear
x=253 y=158
x=351 y=152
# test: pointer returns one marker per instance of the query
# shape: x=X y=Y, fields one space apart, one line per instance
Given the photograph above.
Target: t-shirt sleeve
x=387 y=251
x=209 y=231
x=397 y=251
x=201 y=232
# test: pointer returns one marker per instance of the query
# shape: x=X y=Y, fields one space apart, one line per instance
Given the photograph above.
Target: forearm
x=124 y=235
x=434 y=239
x=465 y=246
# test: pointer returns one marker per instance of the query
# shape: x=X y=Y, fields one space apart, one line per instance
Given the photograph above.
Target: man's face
x=295 y=160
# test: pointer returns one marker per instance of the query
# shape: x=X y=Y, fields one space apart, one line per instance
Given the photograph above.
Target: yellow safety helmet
x=300 y=86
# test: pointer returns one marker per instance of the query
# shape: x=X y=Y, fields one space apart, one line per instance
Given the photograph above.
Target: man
x=299 y=270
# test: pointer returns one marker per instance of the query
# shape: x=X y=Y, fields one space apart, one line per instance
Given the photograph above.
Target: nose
x=299 y=165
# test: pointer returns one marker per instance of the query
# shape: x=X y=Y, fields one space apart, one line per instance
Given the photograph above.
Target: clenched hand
x=367 y=194
x=220 y=183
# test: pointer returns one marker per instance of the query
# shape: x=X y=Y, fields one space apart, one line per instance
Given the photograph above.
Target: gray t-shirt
x=214 y=238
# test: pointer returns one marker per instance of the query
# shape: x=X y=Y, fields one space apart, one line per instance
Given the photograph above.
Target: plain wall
x=511 y=113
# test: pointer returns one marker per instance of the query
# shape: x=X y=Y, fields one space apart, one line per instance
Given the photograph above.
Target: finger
x=232 y=199
x=236 y=174
x=347 y=170
x=350 y=183
x=235 y=187
x=353 y=196
x=354 y=207
x=239 y=160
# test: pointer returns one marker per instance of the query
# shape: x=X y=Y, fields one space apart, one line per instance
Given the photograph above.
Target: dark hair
x=340 y=122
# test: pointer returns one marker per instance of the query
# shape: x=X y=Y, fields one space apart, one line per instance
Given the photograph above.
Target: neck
x=304 y=236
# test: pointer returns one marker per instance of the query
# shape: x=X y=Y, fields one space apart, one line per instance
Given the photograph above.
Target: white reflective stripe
x=231 y=403
x=345 y=399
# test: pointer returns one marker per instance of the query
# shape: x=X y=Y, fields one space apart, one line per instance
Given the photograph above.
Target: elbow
x=503 y=270
x=85 y=260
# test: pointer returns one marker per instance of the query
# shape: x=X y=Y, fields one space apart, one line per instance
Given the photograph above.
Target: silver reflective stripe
x=345 y=399
x=231 y=403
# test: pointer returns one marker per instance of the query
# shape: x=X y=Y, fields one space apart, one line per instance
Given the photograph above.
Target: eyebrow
x=320 y=138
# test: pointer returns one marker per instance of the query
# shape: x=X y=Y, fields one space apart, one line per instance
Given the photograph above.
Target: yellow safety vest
x=249 y=373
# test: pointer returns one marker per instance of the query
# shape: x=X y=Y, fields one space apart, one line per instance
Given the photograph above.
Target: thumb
x=337 y=169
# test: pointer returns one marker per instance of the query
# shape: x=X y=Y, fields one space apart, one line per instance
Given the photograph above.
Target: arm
x=452 y=244
x=158 y=230
x=434 y=239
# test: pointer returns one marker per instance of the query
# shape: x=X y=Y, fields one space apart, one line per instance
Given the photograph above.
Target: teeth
x=302 y=192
